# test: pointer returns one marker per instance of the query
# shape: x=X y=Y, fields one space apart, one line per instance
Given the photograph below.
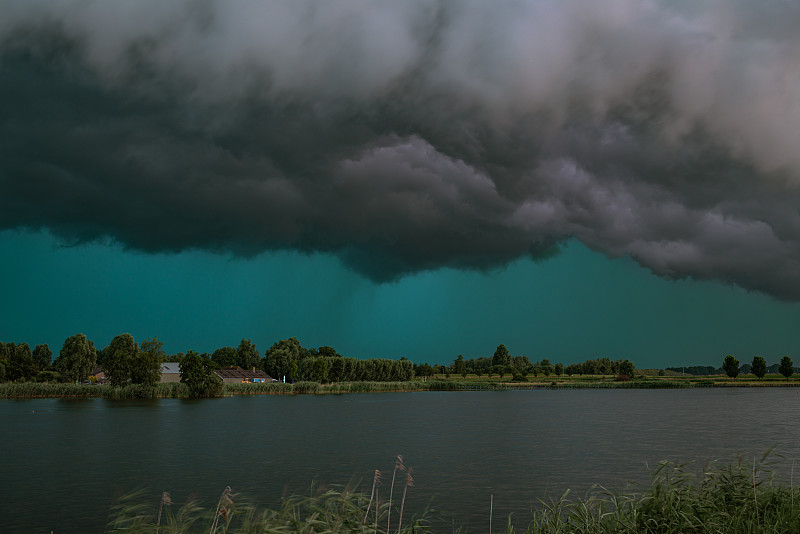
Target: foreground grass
x=737 y=497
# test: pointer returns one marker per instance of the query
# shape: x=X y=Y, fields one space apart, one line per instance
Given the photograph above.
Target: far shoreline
x=29 y=390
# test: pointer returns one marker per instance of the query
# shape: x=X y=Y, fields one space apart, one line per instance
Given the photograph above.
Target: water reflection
x=68 y=458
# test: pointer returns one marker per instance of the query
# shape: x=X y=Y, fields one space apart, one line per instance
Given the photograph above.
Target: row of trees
x=758 y=367
x=502 y=363
x=126 y=361
x=123 y=360
x=287 y=358
x=20 y=362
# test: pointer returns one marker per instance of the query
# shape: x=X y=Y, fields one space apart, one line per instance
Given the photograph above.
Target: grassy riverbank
x=736 y=497
x=470 y=383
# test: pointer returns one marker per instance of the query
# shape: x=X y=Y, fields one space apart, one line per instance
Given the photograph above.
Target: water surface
x=65 y=460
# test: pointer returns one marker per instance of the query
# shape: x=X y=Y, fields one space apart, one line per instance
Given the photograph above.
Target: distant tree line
x=502 y=363
x=697 y=370
x=124 y=361
x=287 y=358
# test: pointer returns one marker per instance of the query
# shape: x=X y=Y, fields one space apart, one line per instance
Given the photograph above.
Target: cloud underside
x=414 y=135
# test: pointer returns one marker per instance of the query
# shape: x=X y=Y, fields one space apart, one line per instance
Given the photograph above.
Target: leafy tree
x=459 y=367
x=119 y=357
x=501 y=356
x=145 y=367
x=559 y=369
x=759 y=366
x=547 y=367
x=224 y=357
x=625 y=367
x=293 y=372
x=336 y=368
x=280 y=355
x=424 y=370
x=197 y=372
x=731 y=366
x=76 y=359
x=328 y=352
x=43 y=357
x=320 y=370
x=787 y=367
x=247 y=356
x=20 y=365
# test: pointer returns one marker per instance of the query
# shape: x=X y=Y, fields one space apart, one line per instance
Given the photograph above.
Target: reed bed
x=28 y=390
x=367 y=387
x=265 y=388
x=337 y=510
x=722 y=498
x=168 y=390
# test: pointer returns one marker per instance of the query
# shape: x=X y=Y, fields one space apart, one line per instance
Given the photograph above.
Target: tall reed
x=398 y=464
x=375 y=482
x=409 y=482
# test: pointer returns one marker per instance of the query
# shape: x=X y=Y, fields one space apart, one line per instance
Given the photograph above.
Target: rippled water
x=64 y=460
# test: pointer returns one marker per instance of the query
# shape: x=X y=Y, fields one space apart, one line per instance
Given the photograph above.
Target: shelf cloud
x=415 y=135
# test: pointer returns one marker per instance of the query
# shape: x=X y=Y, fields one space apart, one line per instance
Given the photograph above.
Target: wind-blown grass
x=730 y=498
x=331 y=511
x=723 y=498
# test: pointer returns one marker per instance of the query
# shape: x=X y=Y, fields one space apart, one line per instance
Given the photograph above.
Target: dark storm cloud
x=405 y=136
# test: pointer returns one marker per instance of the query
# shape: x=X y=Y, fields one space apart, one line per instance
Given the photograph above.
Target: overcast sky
x=388 y=147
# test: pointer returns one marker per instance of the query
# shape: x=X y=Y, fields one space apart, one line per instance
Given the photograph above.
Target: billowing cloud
x=405 y=136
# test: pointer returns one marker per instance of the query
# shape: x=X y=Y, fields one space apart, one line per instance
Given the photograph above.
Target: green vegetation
x=786 y=367
x=287 y=358
x=198 y=375
x=76 y=359
x=723 y=498
x=55 y=389
x=759 y=367
x=731 y=366
x=323 y=370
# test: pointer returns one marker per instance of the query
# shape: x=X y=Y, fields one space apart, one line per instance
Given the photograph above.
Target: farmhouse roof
x=170 y=367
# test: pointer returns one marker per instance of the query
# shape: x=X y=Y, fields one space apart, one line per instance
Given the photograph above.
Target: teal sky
x=575 y=306
x=416 y=165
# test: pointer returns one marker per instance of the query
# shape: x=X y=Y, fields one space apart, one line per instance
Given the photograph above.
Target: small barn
x=170 y=372
x=237 y=375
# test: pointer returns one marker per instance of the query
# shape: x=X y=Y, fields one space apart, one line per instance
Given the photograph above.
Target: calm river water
x=65 y=460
